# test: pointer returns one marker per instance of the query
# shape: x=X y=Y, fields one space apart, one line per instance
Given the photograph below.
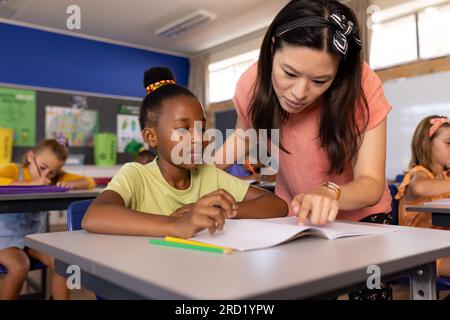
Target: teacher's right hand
x=319 y=206
x=209 y=212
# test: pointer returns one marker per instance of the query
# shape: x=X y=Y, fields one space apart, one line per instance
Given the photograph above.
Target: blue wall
x=45 y=59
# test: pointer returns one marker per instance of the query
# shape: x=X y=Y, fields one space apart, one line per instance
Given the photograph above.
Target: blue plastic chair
x=75 y=214
x=34 y=265
x=442 y=283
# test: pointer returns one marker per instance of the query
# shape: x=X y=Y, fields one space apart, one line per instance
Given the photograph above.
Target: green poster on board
x=18 y=111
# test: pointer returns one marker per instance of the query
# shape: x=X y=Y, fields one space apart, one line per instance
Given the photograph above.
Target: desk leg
x=423 y=282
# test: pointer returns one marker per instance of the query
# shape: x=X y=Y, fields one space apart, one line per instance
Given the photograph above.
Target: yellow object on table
x=6 y=145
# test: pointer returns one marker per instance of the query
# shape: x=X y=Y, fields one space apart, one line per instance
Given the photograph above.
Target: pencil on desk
x=35 y=164
x=196 y=243
x=160 y=242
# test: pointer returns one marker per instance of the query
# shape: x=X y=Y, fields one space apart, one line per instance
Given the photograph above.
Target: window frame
x=417 y=33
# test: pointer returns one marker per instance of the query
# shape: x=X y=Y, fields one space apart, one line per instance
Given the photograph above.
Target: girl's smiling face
x=182 y=116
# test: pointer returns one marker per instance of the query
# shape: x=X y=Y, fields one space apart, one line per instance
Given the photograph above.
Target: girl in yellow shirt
x=41 y=166
x=169 y=197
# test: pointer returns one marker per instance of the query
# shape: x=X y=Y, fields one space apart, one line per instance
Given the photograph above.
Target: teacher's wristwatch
x=334 y=187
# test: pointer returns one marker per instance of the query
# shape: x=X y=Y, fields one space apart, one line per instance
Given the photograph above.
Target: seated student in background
x=41 y=166
x=145 y=156
x=239 y=170
x=428 y=177
x=249 y=172
x=168 y=199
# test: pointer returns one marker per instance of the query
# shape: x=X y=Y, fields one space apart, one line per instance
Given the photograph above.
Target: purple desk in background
x=30 y=189
x=42 y=198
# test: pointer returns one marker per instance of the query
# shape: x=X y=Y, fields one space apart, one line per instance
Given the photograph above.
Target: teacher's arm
x=369 y=176
x=365 y=190
x=233 y=149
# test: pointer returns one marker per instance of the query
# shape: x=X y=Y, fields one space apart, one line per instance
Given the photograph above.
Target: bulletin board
x=106 y=109
x=18 y=111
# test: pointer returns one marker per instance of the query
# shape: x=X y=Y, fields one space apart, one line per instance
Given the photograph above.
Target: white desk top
x=299 y=269
x=94 y=171
x=434 y=208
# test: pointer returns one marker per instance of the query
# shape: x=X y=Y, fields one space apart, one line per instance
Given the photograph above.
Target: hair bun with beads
x=157 y=77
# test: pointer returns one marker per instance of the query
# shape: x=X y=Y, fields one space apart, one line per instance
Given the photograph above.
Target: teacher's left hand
x=319 y=206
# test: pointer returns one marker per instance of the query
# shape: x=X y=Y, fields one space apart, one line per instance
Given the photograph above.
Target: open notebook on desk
x=251 y=234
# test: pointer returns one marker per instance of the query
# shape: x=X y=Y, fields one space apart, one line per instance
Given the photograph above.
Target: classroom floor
x=401 y=292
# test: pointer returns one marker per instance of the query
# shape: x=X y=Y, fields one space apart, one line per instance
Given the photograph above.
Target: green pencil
x=160 y=242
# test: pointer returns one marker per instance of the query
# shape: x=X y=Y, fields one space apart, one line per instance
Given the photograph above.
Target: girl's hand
x=209 y=212
x=320 y=206
x=41 y=181
x=65 y=184
x=181 y=211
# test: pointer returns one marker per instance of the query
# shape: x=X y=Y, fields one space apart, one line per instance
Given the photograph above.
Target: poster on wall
x=18 y=111
x=77 y=125
x=128 y=129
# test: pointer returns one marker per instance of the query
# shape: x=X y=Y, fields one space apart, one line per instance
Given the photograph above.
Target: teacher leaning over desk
x=312 y=84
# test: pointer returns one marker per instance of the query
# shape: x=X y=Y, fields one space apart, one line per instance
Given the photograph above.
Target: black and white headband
x=341 y=26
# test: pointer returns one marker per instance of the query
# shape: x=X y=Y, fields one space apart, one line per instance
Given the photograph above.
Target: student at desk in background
x=428 y=177
x=168 y=197
x=41 y=166
x=249 y=171
x=240 y=171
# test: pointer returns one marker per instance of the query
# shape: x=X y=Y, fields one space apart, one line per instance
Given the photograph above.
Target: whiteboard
x=412 y=99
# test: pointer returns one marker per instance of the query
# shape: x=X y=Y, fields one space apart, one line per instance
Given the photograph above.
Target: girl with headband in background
x=428 y=177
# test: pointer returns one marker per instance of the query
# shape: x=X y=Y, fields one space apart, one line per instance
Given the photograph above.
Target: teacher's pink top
x=306 y=166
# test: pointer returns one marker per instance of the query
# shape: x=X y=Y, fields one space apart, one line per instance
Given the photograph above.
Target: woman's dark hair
x=339 y=128
x=152 y=105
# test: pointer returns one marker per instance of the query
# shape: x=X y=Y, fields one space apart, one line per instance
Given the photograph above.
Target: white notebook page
x=250 y=234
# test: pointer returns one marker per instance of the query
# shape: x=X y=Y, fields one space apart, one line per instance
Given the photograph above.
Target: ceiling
x=134 y=21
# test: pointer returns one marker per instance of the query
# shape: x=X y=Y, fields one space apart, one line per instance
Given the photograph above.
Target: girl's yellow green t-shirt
x=144 y=189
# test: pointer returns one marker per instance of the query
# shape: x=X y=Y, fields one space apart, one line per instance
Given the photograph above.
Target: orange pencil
x=250 y=167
